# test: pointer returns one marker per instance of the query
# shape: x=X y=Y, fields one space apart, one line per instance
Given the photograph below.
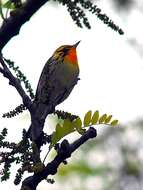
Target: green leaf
x=102 y=118
x=77 y=122
x=114 y=122
x=59 y=130
x=68 y=127
x=78 y=125
x=87 y=119
x=108 y=119
x=8 y=5
x=1 y=12
x=54 y=139
x=95 y=117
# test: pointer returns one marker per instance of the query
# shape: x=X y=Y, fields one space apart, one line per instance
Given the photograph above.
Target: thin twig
x=16 y=83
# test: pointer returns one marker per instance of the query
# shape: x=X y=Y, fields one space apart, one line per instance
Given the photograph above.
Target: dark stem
x=65 y=150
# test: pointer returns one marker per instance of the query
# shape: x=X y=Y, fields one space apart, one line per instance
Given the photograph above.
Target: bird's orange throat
x=71 y=57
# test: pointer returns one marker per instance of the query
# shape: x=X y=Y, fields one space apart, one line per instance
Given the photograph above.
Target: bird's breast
x=67 y=73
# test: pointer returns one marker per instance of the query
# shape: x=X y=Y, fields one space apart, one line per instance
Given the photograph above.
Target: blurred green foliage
x=114 y=161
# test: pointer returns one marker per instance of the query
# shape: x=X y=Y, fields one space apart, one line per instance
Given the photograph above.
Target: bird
x=58 y=78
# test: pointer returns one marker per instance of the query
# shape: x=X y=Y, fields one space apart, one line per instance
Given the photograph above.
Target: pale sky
x=111 y=71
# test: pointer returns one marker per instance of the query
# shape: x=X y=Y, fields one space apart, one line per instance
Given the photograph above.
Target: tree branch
x=65 y=150
x=18 y=17
x=1 y=70
x=16 y=83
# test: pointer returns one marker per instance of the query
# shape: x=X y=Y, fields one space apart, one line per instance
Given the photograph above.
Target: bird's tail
x=37 y=122
x=19 y=109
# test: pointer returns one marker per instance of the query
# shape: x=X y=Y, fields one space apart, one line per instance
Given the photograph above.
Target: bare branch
x=64 y=152
x=16 y=83
x=1 y=70
x=18 y=17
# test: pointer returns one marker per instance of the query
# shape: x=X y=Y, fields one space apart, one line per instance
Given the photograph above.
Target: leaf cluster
x=77 y=125
x=19 y=109
x=76 y=9
x=22 y=78
x=20 y=153
x=65 y=115
x=9 y=5
x=25 y=153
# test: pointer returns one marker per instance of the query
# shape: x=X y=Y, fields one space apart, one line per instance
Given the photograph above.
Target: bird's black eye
x=65 y=50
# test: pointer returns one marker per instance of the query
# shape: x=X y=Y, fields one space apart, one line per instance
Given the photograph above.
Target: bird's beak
x=75 y=45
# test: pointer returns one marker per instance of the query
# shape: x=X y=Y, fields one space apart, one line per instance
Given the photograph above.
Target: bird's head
x=66 y=53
